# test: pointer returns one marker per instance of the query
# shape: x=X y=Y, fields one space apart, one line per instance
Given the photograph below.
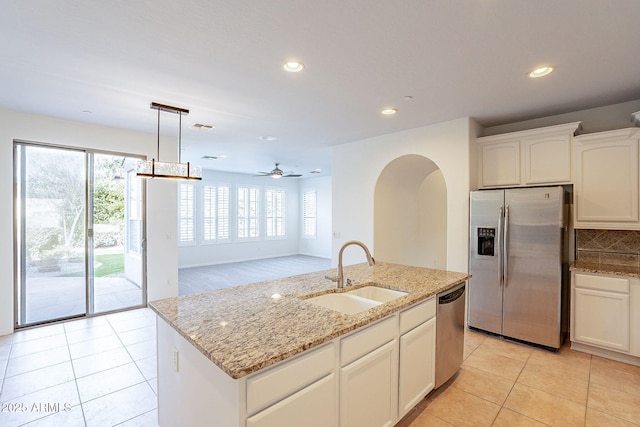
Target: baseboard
x=607 y=354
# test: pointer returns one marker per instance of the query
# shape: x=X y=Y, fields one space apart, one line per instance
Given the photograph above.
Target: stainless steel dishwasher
x=449 y=333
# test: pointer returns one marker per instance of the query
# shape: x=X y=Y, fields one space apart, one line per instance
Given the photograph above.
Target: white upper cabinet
x=606 y=180
x=533 y=157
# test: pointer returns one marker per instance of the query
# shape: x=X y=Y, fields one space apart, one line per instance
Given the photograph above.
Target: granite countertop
x=603 y=268
x=243 y=329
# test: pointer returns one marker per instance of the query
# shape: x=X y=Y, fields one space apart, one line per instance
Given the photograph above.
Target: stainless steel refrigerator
x=519 y=263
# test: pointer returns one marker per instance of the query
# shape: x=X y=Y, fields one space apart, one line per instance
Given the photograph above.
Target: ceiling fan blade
x=292 y=175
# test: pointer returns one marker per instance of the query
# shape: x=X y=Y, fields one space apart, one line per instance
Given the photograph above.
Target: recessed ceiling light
x=540 y=72
x=407 y=98
x=293 y=66
x=389 y=111
x=318 y=170
x=268 y=138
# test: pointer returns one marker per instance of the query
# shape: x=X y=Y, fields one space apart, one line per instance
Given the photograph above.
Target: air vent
x=202 y=127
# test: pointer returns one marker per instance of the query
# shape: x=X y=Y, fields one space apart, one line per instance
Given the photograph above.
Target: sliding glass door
x=78 y=233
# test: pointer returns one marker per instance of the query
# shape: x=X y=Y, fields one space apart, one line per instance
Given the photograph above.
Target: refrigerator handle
x=498 y=237
x=505 y=246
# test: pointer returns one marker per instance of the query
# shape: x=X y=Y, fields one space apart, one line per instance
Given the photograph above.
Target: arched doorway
x=410 y=213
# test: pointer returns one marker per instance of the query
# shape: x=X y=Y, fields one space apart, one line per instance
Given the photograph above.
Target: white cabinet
x=634 y=294
x=369 y=376
x=368 y=388
x=500 y=163
x=417 y=365
x=313 y=406
x=295 y=389
x=606 y=180
x=601 y=311
x=526 y=158
x=417 y=355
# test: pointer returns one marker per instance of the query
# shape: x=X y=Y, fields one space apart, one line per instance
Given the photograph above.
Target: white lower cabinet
x=368 y=389
x=313 y=406
x=417 y=365
x=601 y=311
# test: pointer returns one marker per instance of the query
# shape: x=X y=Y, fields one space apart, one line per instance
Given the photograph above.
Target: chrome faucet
x=340 y=277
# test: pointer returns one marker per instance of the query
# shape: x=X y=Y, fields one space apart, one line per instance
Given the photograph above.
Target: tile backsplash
x=618 y=247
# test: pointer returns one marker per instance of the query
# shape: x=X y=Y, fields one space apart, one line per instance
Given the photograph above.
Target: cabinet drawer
x=284 y=380
x=364 y=342
x=414 y=316
x=602 y=283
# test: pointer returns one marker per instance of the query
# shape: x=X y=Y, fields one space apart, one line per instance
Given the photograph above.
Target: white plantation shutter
x=248 y=206
x=275 y=212
x=186 y=228
x=215 y=212
x=309 y=213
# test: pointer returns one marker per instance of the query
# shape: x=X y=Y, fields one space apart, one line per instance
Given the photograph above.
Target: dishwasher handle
x=451 y=297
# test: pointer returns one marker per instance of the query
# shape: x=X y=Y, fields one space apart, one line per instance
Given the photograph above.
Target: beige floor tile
x=573 y=363
x=473 y=338
x=510 y=349
x=599 y=419
x=462 y=409
x=614 y=402
x=428 y=420
x=616 y=375
x=556 y=381
x=509 y=418
x=545 y=407
x=483 y=384
x=485 y=359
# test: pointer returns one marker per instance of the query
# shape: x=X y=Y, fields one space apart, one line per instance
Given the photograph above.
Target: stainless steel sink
x=344 y=302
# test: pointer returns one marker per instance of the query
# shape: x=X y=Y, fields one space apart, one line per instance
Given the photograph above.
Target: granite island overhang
x=247 y=328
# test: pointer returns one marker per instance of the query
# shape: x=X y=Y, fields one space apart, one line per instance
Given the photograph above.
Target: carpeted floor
x=210 y=277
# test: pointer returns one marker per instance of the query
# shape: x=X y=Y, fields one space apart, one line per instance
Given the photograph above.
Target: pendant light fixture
x=157 y=169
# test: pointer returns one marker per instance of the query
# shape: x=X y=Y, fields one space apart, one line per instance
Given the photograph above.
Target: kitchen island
x=222 y=354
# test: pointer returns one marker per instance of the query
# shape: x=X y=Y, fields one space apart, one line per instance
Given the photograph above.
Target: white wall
x=432 y=224
x=321 y=245
x=162 y=274
x=356 y=167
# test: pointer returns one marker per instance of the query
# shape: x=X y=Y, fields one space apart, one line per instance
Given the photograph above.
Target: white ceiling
x=222 y=60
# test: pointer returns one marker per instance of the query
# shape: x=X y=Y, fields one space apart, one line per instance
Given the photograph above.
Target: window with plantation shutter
x=275 y=224
x=309 y=214
x=186 y=214
x=248 y=213
x=215 y=213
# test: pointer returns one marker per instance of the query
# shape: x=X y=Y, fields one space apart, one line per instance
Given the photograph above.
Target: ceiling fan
x=278 y=173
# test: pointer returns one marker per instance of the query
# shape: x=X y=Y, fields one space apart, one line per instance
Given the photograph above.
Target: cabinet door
x=500 y=164
x=369 y=389
x=601 y=318
x=635 y=317
x=547 y=160
x=606 y=181
x=417 y=365
x=313 y=406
